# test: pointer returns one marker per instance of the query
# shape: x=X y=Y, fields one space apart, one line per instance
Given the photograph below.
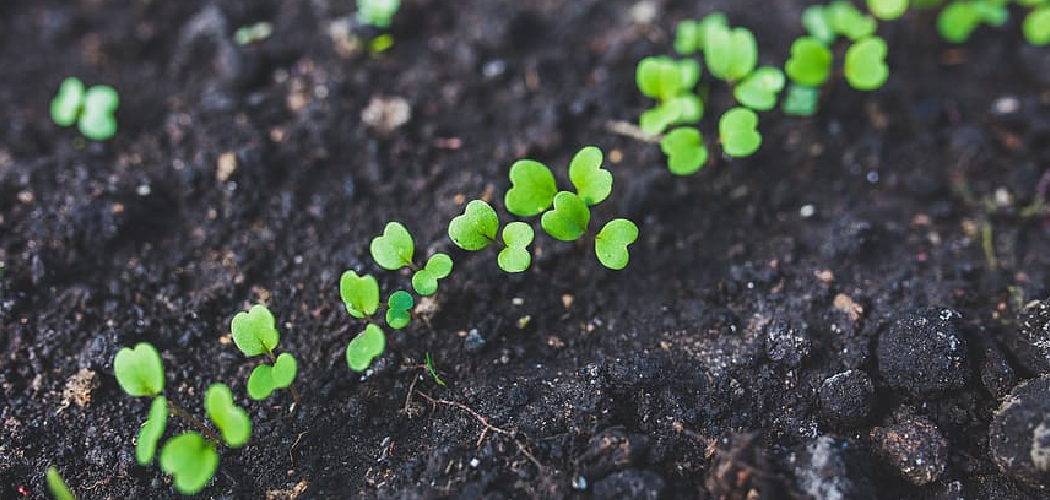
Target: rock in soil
x=1031 y=343
x=847 y=397
x=924 y=352
x=913 y=445
x=1019 y=436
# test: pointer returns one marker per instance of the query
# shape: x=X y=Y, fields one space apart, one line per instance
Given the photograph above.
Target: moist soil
x=766 y=340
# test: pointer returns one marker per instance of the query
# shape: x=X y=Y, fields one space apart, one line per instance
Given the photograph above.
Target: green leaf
x=57 y=485
x=515 y=256
x=815 y=19
x=958 y=21
x=532 y=188
x=992 y=12
x=593 y=183
x=393 y=250
x=476 y=228
x=568 y=221
x=654 y=121
x=846 y=20
x=738 y=131
x=360 y=294
x=433 y=372
x=285 y=368
x=255 y=331
x=97 y=121
x=139 y=371
x=759 y=89
x=687 y=37
x=714 y=21
x=730 y=54
x=866 y=64
x=377 y=13
x=688 y=107
x=612 y=241
x=685 y=150
x=801 y=100
x=191 y=460
x=425 y=281
x=151 y=431
x=888 y=9
x=1036 y=26
x=398 y=306
x=231 y=419
x=66 y=106
x=810 y=62
x=365 y=347
x=663 y=78
x=266 y=378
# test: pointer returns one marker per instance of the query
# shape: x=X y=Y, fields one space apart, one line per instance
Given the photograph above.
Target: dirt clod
x=913 y=445
x=847 y=397
x=1019 y=435
x=924 y=352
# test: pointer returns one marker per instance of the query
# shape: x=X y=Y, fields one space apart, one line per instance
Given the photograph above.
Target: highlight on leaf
x=759 y=90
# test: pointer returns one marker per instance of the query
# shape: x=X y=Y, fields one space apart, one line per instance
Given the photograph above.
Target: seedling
x=685 y=150
x=866 y=64
x=532 y=188
x=365 y=347
x=738 y=132
x=672 y=83
x=360 y=295
x=592 y=182
x=57 y=485
x=92 y=109
x=191 y=460
x=569 y=218
x=394 y=250
x=377 y=13
x=476 y=228
x=231 y=420
x=810 y=62
x=612 y=241
x=397 y=314
x=888 y=9
x=255 y=333
x=759 y=90
x=433 y=372
x=425 y=281
x=959 y=19
x=730 y=53
x=1036 y=26
x=846 y=20
x=515 y=256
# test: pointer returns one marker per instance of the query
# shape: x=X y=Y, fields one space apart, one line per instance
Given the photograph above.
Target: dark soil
x=700 y=371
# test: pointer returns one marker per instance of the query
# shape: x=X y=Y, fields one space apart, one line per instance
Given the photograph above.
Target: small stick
x=631 y=130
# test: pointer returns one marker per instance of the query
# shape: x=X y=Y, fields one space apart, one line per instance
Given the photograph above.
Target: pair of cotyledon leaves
x=189 y=458
x=91 y=109
x=360 y=294
x=394 y=249
x=865 y=66
x=255 y=333
x=729 y=53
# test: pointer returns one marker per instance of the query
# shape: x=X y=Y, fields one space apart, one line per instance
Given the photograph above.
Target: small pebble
x=847 y=397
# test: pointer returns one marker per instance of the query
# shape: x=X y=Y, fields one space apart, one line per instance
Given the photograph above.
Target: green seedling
x=592 y=182
x=476 y=228
x=232 y=420
x=959 y=19
x=139 y=371
x=57 y=485
x=810 y=62
x=689 y=37
x=360 y=294
x=532 y=188
x=1036 y=26
x=255 y=333
x=515 y=256
x=377 y=13
x=398 y=306
x=92 y=109
x=846 y=20
x=254 y=33
x=888 y=9
x=730 y=53
x=738 y=132
x=425 y=281
x=569 y=218
x=865 y=66
x=433 y=372
x=815 y=20
x=191 y=461
x=801 y=100
x=759 y=89
x=672 y=83
x=152 y=430
x=685 y=150
x=394 y=249
x=365 y=347
x=612 y=241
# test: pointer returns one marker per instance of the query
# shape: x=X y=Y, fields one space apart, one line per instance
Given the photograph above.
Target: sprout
x=888 y=9
x=569 y=218
x=476 y=228
x=139 y=371
x=592 y=182
x=801 y=100
x=151 y=431
x=266 y=378
x=810 y=62
x=57 y=486
x=612 y=241
x=377 y=13
x=365 y=347
x=846 y=20
x=425 y=281
x=685 y=150
x=866 y=64
x=398 y=306
x=515 y=257
x=246 y=35
x=433 y=372
x=91 y=110
x=393 y=250
x=359 y=293
x=959 y=19
x=255 y=333
x=191 y=460
x=815 y=20
x=231 y=420
x=738 y=132
x=1037 y=26
x=532 y=188
x=759 y=89
x=671 y=82
x=730 y=53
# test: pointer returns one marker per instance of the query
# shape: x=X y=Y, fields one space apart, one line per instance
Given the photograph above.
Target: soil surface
x=834 y=317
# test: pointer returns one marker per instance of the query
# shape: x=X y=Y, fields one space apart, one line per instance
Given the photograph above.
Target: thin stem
x=183 y=414
x=631 y=130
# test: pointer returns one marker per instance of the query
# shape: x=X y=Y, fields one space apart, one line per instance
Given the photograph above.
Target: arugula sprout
x=266 y=378
x=365 y=347
x=360 y=294
x=476 y=228
x=738 y=132
x=1036 y=27
x=532 y=188
x=255 y=333
x=393 y=250
x=191 y=460
x=759 y=90
x=92 y=109
x=139 y=371
x=848 y=21
x=888 y=9
x=810 y=62
x=569 y=218
x=866 y=64
x=959 y=19
x=515 y=256
x=685 y=150
x=378 y=13
x=398 y=306
x=730 y=53
x=57 y=485
x=671 y=82
x=592 y=182
x=801 y=100
x=425 y=281
x=610 y=246
x=233 y=422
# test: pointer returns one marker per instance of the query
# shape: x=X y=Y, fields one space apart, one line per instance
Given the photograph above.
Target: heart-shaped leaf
x=654 y=121
x=738 y=131
x=515 y=256
x=663 y=78
x=957 y=21
x=265 y=378
x=730 y=53
x=476 y=228
x=66 y=106
x=612 y=241
x=568 y=221
x=139 y=371
x=393 y=250
x=398 y=306
x=255 y=332
x=532 y=188
x=425 y=281
x=360 y=294
x=801 y=100
x=365 y=347
x=97 y=121
x=1036 y=27
x=815 y=19
x=57 y=485
x=759 y=89
x=847 y=20
x=285 y=368
x=191 y=460
x=810 y=62
x=231 y=420
x=685 y=150
x=888 y=9
x=151 y=431
x=593 y=183
x=866 y=64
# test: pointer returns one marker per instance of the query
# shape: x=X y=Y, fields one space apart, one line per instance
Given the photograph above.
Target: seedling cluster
x=90 y=109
